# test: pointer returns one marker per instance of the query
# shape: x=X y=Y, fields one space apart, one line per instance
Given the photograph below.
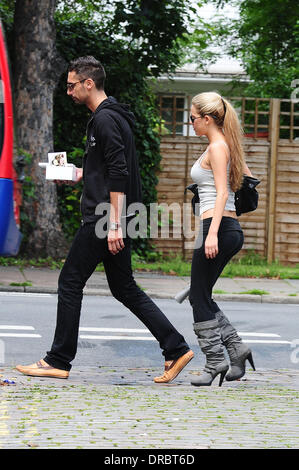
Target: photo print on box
x=57 y=158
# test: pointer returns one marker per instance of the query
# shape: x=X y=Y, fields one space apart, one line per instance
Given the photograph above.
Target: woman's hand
x=211 y=246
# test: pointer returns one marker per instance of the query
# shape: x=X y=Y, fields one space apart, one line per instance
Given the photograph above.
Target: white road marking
x=16 y=327
x=116 y=337
x=274 y=335
x=264 y=335
x=267 y=341
x=18 y=335
x=151 y=338
x=125 y=336
x=130 y=338
x=25 y=294
x=116 y=330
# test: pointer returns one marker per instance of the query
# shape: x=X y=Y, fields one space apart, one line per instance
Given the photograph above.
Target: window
x=172 y=113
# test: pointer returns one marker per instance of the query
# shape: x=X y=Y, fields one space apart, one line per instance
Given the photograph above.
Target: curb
x=277 y=299
x=264 y=299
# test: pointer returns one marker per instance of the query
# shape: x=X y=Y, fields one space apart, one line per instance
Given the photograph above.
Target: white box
x=67 y=172
x=57 y=167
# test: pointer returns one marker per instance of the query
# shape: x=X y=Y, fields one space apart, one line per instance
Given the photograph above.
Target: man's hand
x=115 y=241
x=79 y=176
x=115 y=234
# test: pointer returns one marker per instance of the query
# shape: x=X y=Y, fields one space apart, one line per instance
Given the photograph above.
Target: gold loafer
x=42 y=369
x=173 y=368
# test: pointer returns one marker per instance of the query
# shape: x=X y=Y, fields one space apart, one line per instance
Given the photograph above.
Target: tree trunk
x=37 y=68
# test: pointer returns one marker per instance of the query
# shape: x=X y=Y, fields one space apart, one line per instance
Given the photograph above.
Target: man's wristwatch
x=114 y=225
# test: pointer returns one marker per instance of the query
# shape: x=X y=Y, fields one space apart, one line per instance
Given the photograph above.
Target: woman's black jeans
x=205 y=271
x=86 y=252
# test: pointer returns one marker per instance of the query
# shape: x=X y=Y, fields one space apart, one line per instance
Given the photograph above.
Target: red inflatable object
x=6 y=165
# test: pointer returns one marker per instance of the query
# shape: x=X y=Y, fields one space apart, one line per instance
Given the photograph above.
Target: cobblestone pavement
x=113 y=408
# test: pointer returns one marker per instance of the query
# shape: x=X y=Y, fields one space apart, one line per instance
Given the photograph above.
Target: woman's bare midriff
x=210 y=213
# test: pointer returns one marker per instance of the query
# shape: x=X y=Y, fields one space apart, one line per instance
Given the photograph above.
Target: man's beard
x=76 y=101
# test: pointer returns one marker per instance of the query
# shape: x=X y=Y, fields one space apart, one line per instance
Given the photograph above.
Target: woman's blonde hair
x=225 y=117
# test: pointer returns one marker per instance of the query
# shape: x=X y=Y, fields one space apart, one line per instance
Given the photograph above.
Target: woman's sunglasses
x=192 y=119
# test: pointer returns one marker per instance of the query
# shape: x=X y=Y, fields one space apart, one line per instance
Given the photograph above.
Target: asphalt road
x=110 y=335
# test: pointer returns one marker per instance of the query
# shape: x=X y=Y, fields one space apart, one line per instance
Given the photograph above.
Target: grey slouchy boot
x=209 y=339
x=238 y=351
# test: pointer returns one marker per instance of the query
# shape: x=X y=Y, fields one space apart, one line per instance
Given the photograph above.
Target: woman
x=218 y=173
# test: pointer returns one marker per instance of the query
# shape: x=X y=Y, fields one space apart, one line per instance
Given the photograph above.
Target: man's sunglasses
x=70 y=86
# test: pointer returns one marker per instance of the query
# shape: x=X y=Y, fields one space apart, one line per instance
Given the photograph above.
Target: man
x=110 y=174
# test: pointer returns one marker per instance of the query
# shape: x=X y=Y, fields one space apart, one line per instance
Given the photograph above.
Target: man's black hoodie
x=110 y=161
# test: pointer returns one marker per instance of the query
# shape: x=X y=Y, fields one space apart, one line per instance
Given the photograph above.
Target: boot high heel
x=209 y=340
x=238 y=366
x=207 y=376
x=238 y=351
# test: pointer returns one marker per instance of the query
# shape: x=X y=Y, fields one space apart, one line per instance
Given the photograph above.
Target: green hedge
x=126 y=81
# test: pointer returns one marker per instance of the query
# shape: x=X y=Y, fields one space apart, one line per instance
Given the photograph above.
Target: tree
x=133 y=45
x=35 y=79
x=265 y=38
x=141 y=39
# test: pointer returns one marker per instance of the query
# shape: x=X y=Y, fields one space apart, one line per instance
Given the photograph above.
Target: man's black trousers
x=86 y=252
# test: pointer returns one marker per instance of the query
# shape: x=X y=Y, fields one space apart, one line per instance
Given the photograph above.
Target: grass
x=21 y=263
x=21 y=284
x=250 y=265
x=255 y=292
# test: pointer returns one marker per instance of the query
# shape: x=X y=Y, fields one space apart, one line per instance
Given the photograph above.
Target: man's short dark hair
x=89 y=67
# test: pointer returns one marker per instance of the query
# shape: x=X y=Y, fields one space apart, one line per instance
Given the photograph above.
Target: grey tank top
x=206 y=187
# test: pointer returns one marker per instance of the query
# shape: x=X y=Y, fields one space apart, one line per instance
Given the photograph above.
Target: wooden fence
x=273 y=229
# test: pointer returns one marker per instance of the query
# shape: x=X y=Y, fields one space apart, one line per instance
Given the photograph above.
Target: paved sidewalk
x=116 y=408
x=155 y=285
